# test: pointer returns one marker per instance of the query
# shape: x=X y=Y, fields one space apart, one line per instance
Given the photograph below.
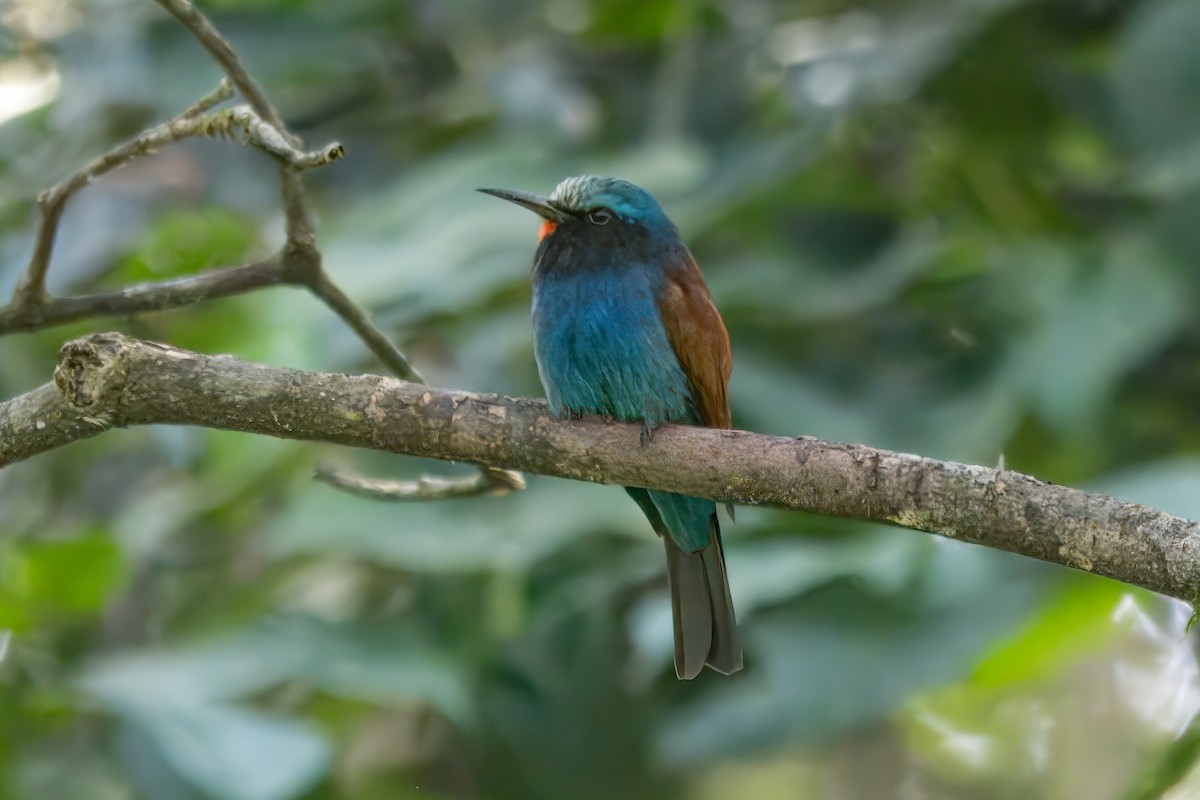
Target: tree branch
x=260 y=125
x=109 y=381
x=154 y=296
x=361 y=324
x=222 y=52
x=426 y=487
x=299 y=222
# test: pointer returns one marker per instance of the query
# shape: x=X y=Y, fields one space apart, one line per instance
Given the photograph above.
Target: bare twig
x=33 y=307
x=109 y=381
x=31 y=289
x=227 y=58
x=488 y=481
x=299 y=220
x=257 y=124
x=301 y=249
x=243 y=123
x=155 y=296
x=360 y=323
x=426 y=487
x=223 y=92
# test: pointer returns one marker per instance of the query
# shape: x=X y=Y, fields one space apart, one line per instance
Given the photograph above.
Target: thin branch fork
x=31 y=303
x=30 y=295
x=107 y=381
x=257 y=124
x=32 y=307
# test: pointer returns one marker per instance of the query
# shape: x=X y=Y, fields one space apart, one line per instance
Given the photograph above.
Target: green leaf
x=184 y=677
x=974 y=734
x=1078 y=622
x=513 y=531
x=185 y=242
x=844 y=656
x=370 y=664
x=354 y=662
x=65 y=578
x=1155 y=77
x=1165 y=772
x=180 y=701
x=1076 y=354
x=237 y=754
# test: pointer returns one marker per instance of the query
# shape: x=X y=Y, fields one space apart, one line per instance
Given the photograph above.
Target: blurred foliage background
x=964 y=228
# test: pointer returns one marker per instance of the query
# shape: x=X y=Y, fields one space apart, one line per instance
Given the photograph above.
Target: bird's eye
x=601 y=216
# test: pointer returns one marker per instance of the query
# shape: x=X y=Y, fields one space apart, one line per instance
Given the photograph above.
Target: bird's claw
x=647 y=434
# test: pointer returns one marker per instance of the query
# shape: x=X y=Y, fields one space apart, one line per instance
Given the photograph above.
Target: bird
x=625 y=327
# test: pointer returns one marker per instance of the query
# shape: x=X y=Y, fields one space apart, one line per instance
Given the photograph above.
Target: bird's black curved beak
x=537 y=203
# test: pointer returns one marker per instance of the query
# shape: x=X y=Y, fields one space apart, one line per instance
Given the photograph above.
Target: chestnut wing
x=697 y=335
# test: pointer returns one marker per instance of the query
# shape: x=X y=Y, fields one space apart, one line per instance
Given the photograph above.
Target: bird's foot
x=647 y=434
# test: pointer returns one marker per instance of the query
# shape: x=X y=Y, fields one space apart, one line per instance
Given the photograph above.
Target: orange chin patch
x=547 y=228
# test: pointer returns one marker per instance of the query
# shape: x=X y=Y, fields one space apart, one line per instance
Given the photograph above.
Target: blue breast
x=601 y=347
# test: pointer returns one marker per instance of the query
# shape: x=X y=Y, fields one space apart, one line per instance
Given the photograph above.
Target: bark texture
x=108 y=380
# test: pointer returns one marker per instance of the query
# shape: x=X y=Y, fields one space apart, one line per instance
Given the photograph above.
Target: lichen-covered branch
x=299 y=221
x=241 y=123
x=110 y=381
x=227 y=59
